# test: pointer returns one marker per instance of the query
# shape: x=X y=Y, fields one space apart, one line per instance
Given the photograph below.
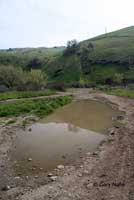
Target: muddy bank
x=105 y=174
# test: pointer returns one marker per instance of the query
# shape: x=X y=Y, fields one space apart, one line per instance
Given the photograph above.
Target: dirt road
x=107 y=174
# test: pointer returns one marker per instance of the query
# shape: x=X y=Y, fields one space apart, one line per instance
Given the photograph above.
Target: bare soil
x=107 y=174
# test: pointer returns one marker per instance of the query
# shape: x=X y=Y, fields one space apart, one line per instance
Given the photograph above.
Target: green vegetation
x=65 y=69
x=26 y=94
x=118 y=91
x=13 y=78
x=115 y=47
x=122 y=92
x=29 y=58
x=107 y=59
x=39 y=107
x=104 y=60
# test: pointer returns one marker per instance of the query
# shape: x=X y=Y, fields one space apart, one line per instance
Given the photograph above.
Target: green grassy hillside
x=108 y=58
x=29 y=57
x=116 y=47
x=103 y=59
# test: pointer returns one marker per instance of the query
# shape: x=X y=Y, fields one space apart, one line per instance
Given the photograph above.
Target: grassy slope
x=114 y=46
x=22 y=57
x=26 y=94
x=117 y=45
x=64 y=69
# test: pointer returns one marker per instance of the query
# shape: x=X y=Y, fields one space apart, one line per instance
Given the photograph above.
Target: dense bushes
x=10 y=77
x=13 y=78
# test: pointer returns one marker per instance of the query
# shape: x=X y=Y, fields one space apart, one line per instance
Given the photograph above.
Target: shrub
x=12 y=78
x=36 y=80
x=118 y=78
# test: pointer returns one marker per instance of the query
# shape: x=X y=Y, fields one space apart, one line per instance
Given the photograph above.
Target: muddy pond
x=63 y=136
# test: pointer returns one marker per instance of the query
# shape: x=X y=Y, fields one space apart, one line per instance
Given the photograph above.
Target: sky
x=38 y=23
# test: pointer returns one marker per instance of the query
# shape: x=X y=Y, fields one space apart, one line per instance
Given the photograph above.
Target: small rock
x=64 y=157
x=116 y=126
x=80 y=175
x=50 y=175
x=53 y=178
x=102 y=175
x=41 y=168
x=50 y=196
x=50 y=187
x=5 y=188
x=36 y=177
x=60 y=166
x=30 y=159
x=88 y=154
x=85 y=172
x=29 y=129
x=112 y=132
x=95 y=153
x=120 y=117
x=17 y=177
x=77 y=196
x=90 y=185
x=60 y=186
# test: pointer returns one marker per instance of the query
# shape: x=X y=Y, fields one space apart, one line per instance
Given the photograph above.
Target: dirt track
x=107 y=174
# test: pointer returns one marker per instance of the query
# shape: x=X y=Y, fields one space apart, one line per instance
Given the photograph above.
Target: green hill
x=29 y=57
x=101 y=59
x=108 y=58
x=116 y=46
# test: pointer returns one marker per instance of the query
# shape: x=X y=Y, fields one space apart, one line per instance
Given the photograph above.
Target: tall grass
x=40 y=107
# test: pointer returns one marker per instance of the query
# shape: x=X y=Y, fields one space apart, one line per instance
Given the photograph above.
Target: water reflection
x=54 y=141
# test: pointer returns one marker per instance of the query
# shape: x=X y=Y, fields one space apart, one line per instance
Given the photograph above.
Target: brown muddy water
x=63 y=136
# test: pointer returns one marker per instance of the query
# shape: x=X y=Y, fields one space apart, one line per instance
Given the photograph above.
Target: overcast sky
x=34 y=23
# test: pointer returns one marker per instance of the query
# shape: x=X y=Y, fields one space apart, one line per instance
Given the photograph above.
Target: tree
x=10 y=77
x=90 y=46
x=35 y=63
x=85 y=61
x=71 y=48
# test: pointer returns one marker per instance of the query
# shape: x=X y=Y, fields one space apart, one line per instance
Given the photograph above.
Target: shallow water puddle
x=63 y=136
